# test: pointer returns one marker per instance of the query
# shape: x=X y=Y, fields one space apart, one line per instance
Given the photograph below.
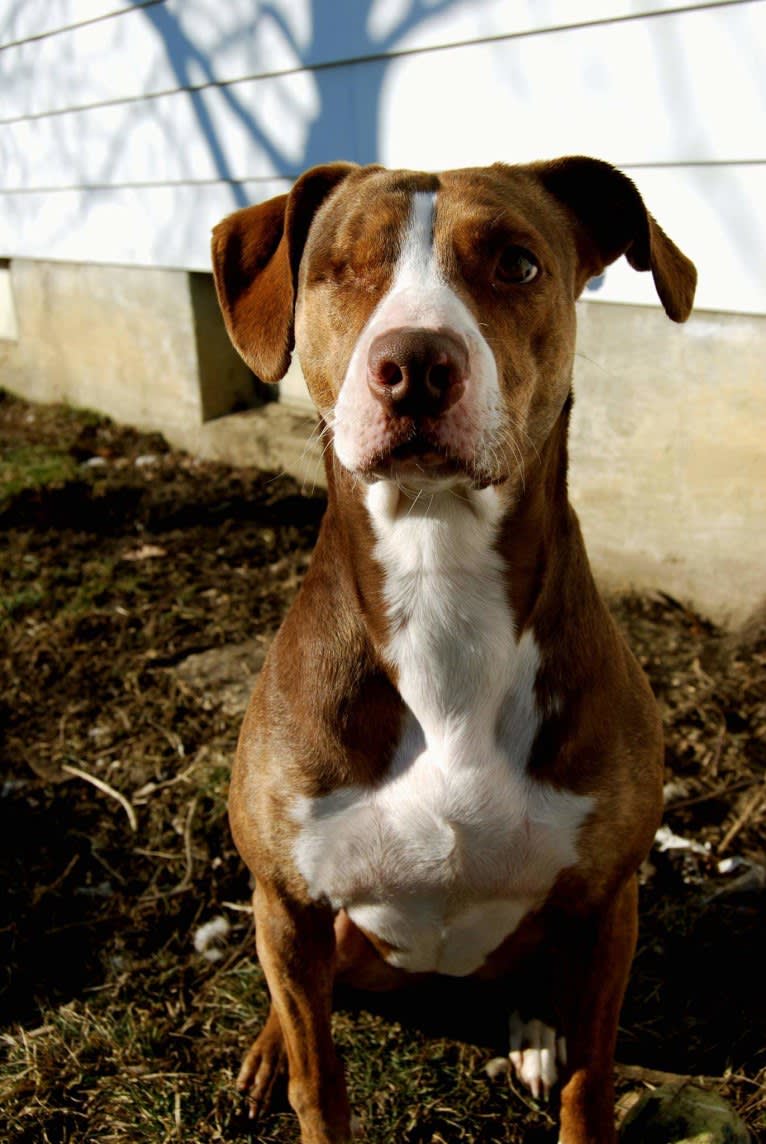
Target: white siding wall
x=128 y=129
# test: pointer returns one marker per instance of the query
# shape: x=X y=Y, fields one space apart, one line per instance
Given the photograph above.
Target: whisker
x=592 y=361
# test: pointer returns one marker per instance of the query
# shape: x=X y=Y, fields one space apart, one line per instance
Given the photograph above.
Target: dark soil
x=139 y=589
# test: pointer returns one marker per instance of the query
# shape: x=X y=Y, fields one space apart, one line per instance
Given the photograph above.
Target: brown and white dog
x=451 y=763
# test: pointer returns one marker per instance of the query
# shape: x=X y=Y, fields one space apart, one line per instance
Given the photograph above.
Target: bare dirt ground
x=139 y=589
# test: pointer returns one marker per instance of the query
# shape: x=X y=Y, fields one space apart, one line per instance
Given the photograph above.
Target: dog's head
x=434 y=314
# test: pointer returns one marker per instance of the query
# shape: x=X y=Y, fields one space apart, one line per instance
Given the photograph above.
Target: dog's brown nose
x=417 y=372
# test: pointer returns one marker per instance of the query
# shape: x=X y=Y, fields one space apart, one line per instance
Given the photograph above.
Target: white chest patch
x=444 y=858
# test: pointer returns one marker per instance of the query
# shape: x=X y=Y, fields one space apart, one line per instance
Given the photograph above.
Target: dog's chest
x=445 y=856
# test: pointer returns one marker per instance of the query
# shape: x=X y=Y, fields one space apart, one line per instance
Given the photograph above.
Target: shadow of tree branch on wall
x=347 y=93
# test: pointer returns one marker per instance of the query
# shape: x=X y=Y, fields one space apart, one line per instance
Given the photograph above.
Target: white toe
x=536 y=1054
x=548 y=1070
x=531 y=1071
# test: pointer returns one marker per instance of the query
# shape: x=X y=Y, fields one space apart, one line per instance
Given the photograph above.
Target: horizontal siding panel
x=469 y=21
x=714 y=214
x=627 y=100
x=181 y=43
x=20 y=21
x=162 y=47
x=250 y=130
x=151 y=226
x=687 y=88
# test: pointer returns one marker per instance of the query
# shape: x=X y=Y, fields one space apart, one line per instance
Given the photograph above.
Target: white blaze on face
x=420 y=297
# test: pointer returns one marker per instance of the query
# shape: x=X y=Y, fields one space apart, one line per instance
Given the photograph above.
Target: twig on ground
x=186 y=881
x=107 y=789
x=716 y=792
x=150 y=788
x=752 y=805
x=41 y=891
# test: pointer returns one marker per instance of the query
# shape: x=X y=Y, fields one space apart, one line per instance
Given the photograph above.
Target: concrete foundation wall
x=668 y=468
x=144 y=346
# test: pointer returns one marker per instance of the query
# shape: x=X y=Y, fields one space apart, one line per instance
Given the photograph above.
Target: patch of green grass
x=120 y=1065
x=214 y=782
x=105 y=581
x=33 y=467
x=14 y=605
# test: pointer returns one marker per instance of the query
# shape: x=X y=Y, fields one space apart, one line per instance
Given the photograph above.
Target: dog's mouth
x=422 y=454
x=422 y=459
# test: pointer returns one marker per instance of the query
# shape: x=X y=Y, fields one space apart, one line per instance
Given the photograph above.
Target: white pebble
x=497 y=1068
x=210 y=936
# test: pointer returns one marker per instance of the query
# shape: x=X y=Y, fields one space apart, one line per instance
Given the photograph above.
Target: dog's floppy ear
x=614 y=222
x=256 y=255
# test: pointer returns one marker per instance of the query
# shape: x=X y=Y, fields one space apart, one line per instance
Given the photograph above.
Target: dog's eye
x=516 y=265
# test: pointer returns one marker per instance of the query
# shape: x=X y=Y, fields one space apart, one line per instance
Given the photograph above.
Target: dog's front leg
x=594 y=981
x=296 y=947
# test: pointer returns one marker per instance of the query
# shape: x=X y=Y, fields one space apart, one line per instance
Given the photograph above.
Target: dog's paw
x=265 y=1065
x=537 y=1055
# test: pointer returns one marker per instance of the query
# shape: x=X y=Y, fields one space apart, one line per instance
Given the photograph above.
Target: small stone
x=210 y=938
x=225 y=675
x=674 y=791
x=683 y=1114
